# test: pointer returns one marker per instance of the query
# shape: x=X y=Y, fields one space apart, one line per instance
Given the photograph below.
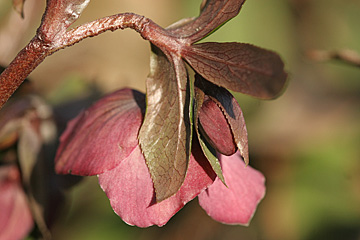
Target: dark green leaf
x=239 y=67
x=165 y=135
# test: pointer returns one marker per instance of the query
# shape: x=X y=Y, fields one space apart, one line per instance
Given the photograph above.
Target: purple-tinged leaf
x=236 y=203
x=239 y=67
x=15 y=218
x=213 y=14
x=207 y=149
x=232 y=112
x=131 y=192
x=165 y=135
x=102 y=136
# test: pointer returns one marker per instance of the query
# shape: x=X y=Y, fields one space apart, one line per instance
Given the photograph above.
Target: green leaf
x=239 y=67
x=165 y=135
x=208 y=151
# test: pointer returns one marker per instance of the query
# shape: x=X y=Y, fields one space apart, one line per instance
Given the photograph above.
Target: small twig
x=349 y=57
x=139 y=23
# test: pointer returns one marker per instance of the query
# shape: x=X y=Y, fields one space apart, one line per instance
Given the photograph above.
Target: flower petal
x=130 y=189
x=15 y=218
x=102 y=136
x=237 y=203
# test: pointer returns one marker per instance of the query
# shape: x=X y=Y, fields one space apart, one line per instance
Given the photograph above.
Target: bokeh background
x=306 y=142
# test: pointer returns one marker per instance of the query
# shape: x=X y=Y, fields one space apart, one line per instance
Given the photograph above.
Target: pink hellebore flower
x=103 y=141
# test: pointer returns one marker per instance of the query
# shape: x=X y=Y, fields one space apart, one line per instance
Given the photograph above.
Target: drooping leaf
x=235 y=204
x=239 y=67
x=19 y=6
x=102 y=136
x=213 y=14
x=208 y=150
x=165 y=135
x=28 y=149
x=130 y=190
x=35 y=130
x=232 y=111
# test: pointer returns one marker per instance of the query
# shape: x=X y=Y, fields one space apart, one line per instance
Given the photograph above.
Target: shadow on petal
x=103 y=135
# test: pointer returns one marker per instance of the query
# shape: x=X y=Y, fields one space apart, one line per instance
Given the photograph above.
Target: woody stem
x=40 y=47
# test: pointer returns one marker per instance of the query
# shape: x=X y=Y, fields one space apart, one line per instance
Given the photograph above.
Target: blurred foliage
x=306 y=142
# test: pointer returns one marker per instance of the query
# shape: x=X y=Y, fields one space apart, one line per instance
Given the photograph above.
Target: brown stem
x=23 y=64
x=146 y=27
x=349 y=57
x=45 y=44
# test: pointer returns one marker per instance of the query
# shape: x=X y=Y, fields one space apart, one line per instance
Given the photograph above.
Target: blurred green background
x=307 y=142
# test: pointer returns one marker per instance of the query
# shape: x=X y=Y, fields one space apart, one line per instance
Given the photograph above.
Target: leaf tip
x=245 y=158
x=19 y=7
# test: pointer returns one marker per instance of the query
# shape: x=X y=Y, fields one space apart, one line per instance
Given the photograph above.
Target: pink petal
x=15 y=216
x=102 y=136
x=237 y=203
x=131 y=192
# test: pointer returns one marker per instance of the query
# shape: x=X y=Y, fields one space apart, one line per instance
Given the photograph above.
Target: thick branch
x=23 y=64
x=45 y=44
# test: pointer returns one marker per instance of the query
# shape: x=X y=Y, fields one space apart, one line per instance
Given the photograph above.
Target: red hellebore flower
x=148 y=162
x=103 y=141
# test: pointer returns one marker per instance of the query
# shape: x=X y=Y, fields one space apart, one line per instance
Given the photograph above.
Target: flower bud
x=215 y=128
